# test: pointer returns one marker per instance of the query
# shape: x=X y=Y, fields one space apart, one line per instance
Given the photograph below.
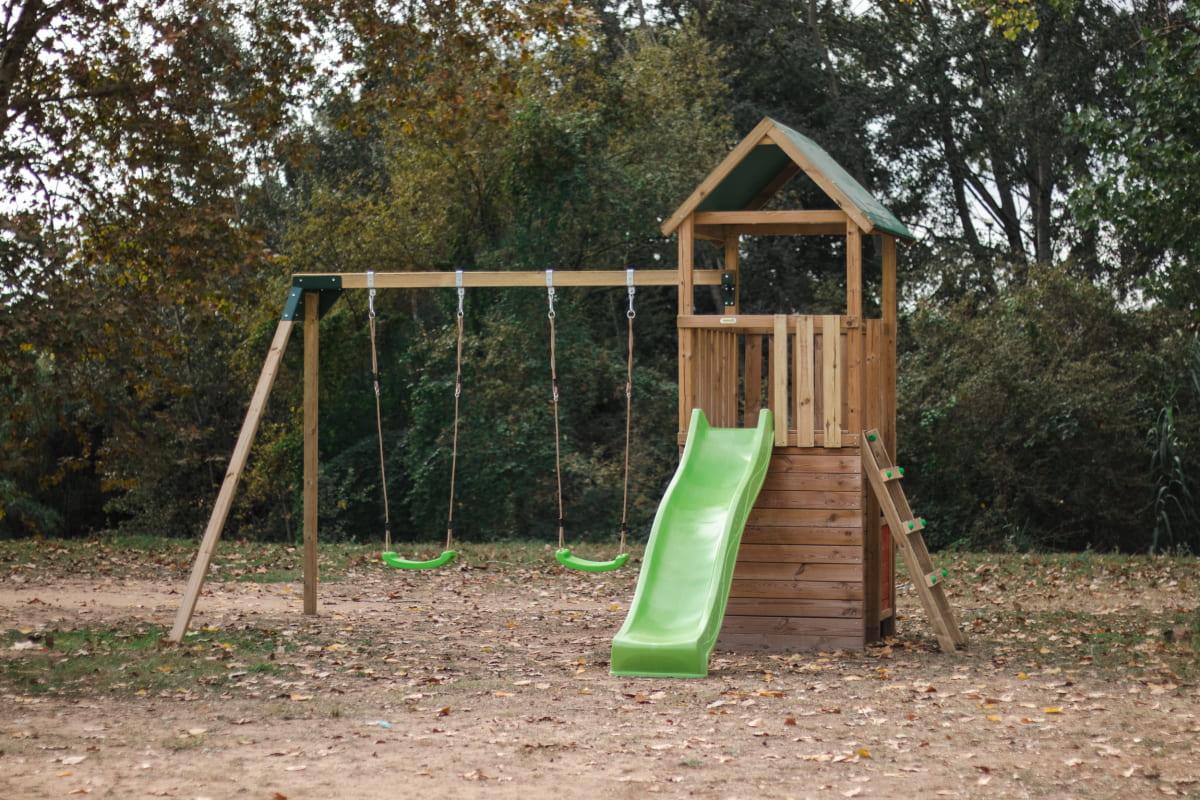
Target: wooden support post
x=312 y=304
x=890 y=310
x=854 y=328
x=241 y=451
x=854 y=281
x=889 y=307
x=731 y=265
x=874 y=573
x=687 y=338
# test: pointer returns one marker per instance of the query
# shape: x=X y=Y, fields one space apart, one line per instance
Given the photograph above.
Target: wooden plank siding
x=798 y=581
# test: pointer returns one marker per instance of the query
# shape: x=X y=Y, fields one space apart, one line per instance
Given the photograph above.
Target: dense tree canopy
x=167 y=165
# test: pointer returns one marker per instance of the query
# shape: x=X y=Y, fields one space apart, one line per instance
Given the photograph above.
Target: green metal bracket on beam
x=292 y=308
x=329 y=287
x=318 y=283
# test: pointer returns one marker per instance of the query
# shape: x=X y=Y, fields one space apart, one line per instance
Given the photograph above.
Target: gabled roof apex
x=760 y=165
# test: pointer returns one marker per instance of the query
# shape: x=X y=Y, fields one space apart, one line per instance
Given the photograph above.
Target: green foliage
x=1026 y=417
x=171 y=164
x=1175 y=507
x=1146 y=161
x=568 y=164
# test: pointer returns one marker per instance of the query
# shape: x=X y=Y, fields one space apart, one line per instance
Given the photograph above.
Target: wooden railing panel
x=807 y=365
x=729 y=395
x=753 y=379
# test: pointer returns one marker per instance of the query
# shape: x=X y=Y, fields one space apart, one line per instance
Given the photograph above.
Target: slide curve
x=683 y=587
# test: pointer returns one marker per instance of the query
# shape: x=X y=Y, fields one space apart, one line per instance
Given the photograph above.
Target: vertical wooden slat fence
x=806 y=358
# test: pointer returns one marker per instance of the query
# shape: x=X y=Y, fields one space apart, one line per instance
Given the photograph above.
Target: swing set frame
x=310 y=297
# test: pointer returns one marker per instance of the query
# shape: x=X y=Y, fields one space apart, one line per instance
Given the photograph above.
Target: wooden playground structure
x=815 y=568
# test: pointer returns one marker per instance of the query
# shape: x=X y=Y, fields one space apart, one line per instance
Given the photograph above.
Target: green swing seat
x=395 y=561
x=571 y=561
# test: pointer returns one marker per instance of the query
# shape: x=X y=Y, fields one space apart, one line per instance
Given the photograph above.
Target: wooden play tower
x=815 y=568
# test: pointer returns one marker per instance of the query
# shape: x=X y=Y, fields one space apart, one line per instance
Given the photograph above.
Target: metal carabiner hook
x=550 y=292
x=629 y=283
x=458 y=284
x=371 y=293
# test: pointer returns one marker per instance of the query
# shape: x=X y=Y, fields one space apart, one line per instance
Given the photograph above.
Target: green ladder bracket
x=935 y=577
x=914 y=525
x=329 y=287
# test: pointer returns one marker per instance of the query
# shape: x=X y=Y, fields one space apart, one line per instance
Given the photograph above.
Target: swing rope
x=389 y=557
x=458 y=349
x=551 y=314
x=387 y=517
x=563 y=555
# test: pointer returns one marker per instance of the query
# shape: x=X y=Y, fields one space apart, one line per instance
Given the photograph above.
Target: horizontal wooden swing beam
x=495 y=279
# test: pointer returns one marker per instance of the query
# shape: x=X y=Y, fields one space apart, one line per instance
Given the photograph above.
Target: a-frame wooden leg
x=241 y=451
x=312 y=302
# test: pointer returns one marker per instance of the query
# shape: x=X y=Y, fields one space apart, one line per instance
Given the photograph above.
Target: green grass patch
x=152 y=556
x=132 y=661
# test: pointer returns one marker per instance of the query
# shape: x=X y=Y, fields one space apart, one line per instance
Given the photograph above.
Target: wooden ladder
x=884 y=477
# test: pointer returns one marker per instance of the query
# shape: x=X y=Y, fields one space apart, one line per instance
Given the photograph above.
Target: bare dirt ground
x=491 y=680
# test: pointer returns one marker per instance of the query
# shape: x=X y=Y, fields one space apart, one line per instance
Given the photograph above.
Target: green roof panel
x=763 y=163
x=747 y=179
x=865 y=201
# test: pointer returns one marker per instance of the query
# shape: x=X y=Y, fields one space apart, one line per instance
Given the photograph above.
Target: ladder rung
x=935 y=577
x=914 y=525
x=891 y=473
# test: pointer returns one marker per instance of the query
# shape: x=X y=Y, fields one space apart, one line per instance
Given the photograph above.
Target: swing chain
x=458 y=283
x=629 y=315
x=371 y=318
x=551 y=314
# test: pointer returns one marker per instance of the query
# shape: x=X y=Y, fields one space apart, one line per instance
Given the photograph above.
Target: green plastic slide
x=679 y=604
